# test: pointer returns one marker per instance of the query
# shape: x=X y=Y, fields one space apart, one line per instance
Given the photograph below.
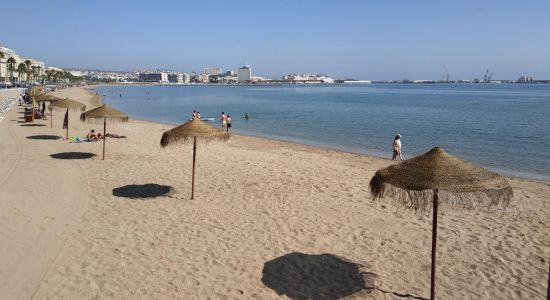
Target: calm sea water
x=503 y=127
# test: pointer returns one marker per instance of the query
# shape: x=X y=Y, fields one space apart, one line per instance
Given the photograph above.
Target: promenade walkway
x=41 y=201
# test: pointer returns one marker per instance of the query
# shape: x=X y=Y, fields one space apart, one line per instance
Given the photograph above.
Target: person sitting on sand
x=92 y=137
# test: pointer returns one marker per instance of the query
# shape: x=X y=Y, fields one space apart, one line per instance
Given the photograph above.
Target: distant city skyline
x=344 y=39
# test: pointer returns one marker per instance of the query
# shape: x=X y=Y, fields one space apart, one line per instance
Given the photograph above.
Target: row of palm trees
x=58 y=76
x=25 y=67
x=35 y=72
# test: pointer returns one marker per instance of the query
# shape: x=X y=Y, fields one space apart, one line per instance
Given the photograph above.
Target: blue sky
x=357 y=39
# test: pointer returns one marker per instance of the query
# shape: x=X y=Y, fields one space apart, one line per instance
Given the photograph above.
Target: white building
x=244 y=74
x=36 y=67
x=309 y=77
x=159 y=77
x=212 y=71
x=178 y=78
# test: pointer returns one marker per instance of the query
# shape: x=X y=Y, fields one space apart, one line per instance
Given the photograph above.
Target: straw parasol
x=33 y=92
x=192 y=130
x=104 y=113
x=68 y=104
x=419 y=182
x=47 y=98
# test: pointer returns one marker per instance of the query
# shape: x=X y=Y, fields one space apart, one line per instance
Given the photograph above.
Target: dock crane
x=487 y=77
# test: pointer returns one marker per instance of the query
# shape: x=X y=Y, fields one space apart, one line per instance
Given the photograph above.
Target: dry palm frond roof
x=102 y=112
x=34 y=90
x=413 y=182
x=68 y=104
x=194 y=128
x=46 y=97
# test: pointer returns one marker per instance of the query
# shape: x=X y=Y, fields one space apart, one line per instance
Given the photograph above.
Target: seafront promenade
x=75 y=227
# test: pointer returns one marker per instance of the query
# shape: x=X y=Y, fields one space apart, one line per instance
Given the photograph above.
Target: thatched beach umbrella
x=192 y=130
x=68 y=104
x=420 y=182
x=47 y=98
x=104 y=113
x=33 y=92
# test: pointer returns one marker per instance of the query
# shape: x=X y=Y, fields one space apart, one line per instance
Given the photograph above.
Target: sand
x=266 y=214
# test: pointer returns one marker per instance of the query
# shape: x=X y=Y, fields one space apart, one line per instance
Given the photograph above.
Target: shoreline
x=503 y=172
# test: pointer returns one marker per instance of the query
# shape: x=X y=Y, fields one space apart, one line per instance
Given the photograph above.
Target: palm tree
x=28 y=69
x=59 y=75
x=35 y=71
x=21 y=68
x=11 y=67
x=49 y=75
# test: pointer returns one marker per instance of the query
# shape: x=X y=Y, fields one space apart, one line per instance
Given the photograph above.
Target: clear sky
x=345 y=39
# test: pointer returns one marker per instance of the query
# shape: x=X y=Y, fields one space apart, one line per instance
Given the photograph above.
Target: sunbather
x=113 y=135
x=92 y=137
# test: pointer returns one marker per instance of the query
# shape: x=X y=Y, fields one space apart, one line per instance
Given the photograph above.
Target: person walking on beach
x=43 y=107
x=397 y=147
x=194 y=114
x=228 y=123
x=223 y=120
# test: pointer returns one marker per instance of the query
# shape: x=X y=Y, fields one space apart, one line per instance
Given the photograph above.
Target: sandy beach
x=265 y=213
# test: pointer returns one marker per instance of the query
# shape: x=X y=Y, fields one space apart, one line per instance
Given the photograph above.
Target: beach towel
x=75 y=139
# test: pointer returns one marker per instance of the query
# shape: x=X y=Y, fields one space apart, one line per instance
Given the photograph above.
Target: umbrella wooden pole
x=32 y=108
x=434 y=242
x=67 y=132
x=51 y=118
x=193 y=178
x=104 y=135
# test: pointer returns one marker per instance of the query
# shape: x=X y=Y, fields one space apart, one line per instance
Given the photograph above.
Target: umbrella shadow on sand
x=32 y=125
x=72 y=155
x=323 y=276
x=44 y=137
x=143 y=191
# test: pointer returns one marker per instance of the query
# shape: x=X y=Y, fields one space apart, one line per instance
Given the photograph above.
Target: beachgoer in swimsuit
x=91 y=136
x=228 y=121
x=397 y=147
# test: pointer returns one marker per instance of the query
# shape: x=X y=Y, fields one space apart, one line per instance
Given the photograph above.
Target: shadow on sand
x=32 y=124
x=142 y=191
x=72 y=155
x=323 y=276
x=44 y=137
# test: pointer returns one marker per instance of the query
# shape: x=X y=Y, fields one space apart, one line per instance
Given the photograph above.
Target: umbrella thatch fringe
x=422 y=200
x=73 y=109
x=100 y=120
x=169 y=139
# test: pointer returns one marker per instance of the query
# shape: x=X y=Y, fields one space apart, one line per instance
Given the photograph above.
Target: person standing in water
x=228 y=123
x=397 y=147
x=246 y=116
x=223 y=120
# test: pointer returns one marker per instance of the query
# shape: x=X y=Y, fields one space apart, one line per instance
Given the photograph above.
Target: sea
x=503 y=127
